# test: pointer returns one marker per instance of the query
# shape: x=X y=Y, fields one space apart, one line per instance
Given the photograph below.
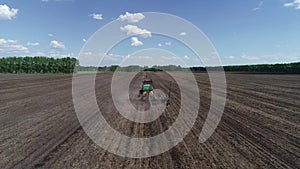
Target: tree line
x=41 y=64
x=261 y=68
x=266 y=68
x=37 y=64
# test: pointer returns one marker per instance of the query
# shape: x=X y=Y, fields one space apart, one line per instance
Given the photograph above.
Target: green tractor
x=147 y=88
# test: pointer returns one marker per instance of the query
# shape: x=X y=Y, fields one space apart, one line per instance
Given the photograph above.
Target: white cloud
x=39 y=53
x=50 y=35
x=231 y=57
x=293 y=58
x=258 y=6
x=33 y=44
x=288 y=4
x=132 y=17
x=295 y=3
x=135 y=42
x=183 y=34
x=96 y=16
x=90 y=58
x=7 y=13
x=84 y=40
x=150 y=60
x=7 y=41
x=60 y=54
x=134 y=30
x=2 y=41
x=8 y=46
x=186 y=57
x=249 y=57
x=168 y=43
x=160 y=45
x=57 y=45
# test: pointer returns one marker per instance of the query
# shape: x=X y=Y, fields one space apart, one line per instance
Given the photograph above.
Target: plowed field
x=260 y=127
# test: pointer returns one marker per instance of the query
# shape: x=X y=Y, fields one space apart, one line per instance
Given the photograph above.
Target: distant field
x=260 y=127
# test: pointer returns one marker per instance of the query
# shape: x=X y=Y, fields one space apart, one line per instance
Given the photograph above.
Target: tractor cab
x=147 y=81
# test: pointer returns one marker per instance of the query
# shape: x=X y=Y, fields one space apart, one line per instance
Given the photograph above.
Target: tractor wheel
x=151 y=93
x=144 y=93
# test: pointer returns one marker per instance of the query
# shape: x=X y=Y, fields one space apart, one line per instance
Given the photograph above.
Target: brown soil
x=260 y=127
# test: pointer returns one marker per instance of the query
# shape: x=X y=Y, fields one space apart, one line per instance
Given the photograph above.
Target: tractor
x=147 y=88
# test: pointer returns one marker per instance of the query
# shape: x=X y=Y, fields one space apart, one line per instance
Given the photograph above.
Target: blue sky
x=243 y=32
